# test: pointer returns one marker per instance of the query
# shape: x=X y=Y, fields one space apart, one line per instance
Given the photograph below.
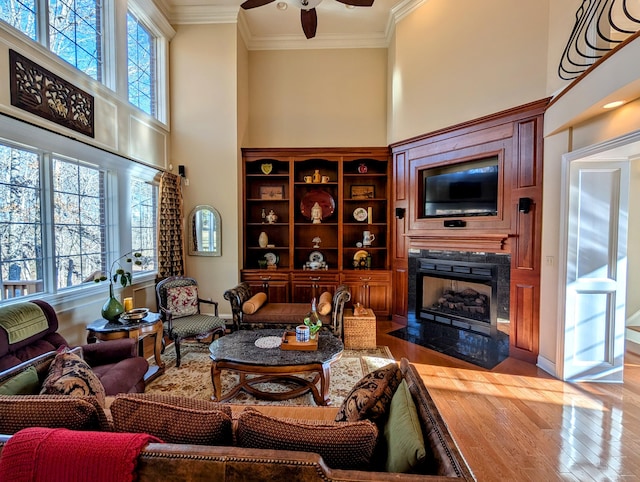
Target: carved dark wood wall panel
x=43 y=93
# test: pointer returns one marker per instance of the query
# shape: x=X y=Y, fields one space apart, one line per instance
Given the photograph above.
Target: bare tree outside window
x=144 y=209
x=79 y=222
x=141 y=58
x=20 y=223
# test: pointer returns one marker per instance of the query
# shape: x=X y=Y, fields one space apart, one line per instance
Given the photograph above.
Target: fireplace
x=459 y=304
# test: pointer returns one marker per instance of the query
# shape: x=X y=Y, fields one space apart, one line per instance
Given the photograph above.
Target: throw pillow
x=406 y=450
x=24 y=383
x=71 y=375
x=370 y=398
x=324 y=303
x=341 y=445
x=52 y=411
x=173 y=419
x=254 y=303
x=182 y=301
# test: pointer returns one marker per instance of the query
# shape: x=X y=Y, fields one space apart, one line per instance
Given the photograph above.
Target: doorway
x=600 y=198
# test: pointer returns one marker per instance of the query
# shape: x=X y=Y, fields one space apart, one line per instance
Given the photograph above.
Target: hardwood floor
x=518 y=423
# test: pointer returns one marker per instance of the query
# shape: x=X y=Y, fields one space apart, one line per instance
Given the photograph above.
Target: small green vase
x=112 y=309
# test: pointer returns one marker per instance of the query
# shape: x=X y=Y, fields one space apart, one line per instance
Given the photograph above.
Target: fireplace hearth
x=459 y=304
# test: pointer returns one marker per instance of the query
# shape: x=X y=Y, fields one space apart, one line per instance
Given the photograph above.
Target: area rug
x=193 y=378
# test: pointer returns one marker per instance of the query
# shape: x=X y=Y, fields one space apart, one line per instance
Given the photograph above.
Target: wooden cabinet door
x=275 y=285
x=310 y=284
x=372 y=289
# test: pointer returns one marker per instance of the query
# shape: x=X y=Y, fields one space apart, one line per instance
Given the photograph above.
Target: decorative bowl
x=135 y=314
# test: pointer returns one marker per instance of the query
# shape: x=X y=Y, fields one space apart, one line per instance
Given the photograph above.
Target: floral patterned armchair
x=179 y=305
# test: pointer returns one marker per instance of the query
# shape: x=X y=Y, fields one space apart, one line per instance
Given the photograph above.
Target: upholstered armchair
x=30 y=329
x=179 y=304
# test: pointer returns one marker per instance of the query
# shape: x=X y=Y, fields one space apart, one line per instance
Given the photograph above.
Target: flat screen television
x=460 y=190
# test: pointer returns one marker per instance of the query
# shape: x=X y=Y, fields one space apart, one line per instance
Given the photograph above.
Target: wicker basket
x=359 y=331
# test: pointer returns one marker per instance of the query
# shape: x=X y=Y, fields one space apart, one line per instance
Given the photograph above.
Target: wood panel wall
x=516 y=136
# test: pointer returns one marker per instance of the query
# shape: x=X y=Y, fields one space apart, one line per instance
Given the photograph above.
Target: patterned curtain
x=170 y=245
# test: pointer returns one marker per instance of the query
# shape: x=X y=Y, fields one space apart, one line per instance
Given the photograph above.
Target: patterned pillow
x=173 y=419
x=370 y=398
x=341 y=445
x=182 y=301
x=71 y=375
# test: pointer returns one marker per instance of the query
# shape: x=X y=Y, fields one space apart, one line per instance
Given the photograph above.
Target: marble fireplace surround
x=485 y=347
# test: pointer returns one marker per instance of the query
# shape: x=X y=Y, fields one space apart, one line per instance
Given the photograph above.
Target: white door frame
x=625 y=148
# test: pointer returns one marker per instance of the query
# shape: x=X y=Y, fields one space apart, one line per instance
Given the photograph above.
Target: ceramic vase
x=112 y=309
x=263 y=240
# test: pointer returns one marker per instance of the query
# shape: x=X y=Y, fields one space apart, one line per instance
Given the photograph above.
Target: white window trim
x=118 y=233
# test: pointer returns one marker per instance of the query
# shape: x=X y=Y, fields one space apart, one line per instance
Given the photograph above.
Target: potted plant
x=112 y=309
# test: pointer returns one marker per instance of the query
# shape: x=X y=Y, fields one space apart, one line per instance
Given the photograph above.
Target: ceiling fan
x=308 y=16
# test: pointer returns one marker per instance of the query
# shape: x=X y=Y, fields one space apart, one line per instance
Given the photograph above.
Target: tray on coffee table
x=289 y=342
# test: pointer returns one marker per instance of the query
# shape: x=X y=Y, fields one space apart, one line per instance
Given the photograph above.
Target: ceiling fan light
x=282 y=6
x=306 y=4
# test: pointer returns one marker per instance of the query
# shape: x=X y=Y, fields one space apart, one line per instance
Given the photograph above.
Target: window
x=59 y=225
x=21 y=252
x=75 y=34
x=74 y=29
x=141 y=59
x=144 y=210
x=79 y=220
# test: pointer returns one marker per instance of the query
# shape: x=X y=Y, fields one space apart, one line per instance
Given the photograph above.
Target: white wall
x=456 y=61
x=317 y=98
x=204 y=106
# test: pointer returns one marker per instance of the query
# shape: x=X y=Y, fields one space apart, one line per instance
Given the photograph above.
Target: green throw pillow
x=24 y=383
x=405 y=443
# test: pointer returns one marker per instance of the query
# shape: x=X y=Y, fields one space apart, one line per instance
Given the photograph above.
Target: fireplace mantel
x=464 y=241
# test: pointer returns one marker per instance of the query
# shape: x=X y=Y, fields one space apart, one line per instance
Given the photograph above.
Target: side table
x=150 y=325
x=359 y=331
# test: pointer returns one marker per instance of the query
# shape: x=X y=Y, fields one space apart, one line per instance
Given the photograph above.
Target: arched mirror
x=205 y=230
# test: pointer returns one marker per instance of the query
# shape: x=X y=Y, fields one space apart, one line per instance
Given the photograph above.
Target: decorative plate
x=360 y=254
x=323 y=198
x=266 y=168
x=272 y=259
x=135 y=315
x=360 y=214
x=316 y=256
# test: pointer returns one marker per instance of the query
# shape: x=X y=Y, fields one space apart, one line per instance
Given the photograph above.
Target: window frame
x=117 y=172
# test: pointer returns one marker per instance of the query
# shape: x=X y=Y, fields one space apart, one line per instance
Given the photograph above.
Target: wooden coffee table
x=238 y=352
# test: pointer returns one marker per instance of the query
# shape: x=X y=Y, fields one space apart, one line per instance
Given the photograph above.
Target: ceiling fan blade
x=309 y=21
x=357 y=3
x=255 y=3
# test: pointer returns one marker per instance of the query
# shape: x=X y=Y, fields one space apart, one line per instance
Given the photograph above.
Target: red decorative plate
x=323 y=198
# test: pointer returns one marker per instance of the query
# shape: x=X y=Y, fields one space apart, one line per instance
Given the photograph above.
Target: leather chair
x=179 y=305
x=116 y=363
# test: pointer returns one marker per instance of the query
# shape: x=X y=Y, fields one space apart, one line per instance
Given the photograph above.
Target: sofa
x=33 y=332
x=266 y=314
x=223 y=453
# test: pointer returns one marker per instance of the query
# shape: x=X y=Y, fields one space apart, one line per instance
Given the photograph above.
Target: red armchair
x=116 y=362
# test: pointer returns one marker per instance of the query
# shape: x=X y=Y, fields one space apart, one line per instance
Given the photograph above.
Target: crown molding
x=204 y=14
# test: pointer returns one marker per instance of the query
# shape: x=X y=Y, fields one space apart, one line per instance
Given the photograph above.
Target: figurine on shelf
x=264 y=216
x=316 y=242
x=362 y=168
x=316 y=213
x=272 y=217
x=317 y=177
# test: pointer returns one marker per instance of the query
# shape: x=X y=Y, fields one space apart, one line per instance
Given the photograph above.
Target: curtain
x=170 y=244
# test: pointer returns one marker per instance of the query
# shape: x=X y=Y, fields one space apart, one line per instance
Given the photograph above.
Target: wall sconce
x=400 y=213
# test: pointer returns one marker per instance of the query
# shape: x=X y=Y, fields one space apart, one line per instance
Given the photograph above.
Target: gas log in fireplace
x=459 y=304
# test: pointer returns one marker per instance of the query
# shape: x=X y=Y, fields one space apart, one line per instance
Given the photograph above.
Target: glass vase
x=112 y=309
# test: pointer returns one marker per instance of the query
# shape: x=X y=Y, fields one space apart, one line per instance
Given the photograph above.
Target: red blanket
x=61 y=455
